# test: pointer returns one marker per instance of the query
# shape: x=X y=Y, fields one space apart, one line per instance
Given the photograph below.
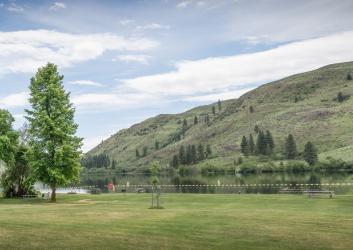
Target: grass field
x=115 y=221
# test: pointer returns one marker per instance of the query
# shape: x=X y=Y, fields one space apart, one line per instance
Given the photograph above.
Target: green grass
x=115 y=221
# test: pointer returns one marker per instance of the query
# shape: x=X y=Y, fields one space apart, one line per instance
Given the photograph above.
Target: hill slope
x=302 y=104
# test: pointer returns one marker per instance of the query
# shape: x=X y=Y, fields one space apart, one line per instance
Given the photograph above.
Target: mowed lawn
x=189 y=221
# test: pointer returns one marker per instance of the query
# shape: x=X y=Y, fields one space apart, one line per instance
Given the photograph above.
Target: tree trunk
x=53 y=194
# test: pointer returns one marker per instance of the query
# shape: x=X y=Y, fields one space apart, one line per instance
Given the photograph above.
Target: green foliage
x=251 y=109
x=261 y=143
x=290 y=147
x=196 y=121
x=310 y=154
x=156 y=145
x=137 y=153
x=213 y=110
x=251 y=144
x=269 y=142
x=349 y=77
x=8 y=138
x=244 y=146
x=56 y=148
x=17 y=180
x=144 y=151
x=96 y=161
x=219 y=104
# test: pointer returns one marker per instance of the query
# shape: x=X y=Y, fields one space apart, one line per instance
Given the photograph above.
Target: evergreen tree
x=213 y=110
x=257 y=129
x=244 y=146
x=55 y=146
x=240 y=160
x=251 y=108
x=137 y=153
x=196 y=121
x=144 y=154
x=207 y=118
x=269 y=142
x=193 y=154
x=310 y=154
x=113 y=164
x=219 y=104
x=156 y=145
x=208 y=150
x=185 y=126
x=182 y=155
x=261 y=145
x=189 y=155
x=349 y=77
x=340 y=97
x=201 y=152
x=175 y=161
x=290 y=147
x=251 y=145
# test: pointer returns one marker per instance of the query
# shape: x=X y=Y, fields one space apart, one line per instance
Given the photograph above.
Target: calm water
x=102 y=180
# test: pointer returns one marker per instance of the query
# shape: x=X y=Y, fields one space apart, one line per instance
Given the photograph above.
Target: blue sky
x=125 y=61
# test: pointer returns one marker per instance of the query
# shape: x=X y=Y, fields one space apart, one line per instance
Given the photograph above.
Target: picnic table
x=312 y=193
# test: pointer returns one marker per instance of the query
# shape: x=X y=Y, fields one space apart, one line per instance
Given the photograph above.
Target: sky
x=124 y=61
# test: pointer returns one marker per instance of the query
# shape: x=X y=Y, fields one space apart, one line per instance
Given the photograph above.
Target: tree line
x=265 y=146
x=191 y=154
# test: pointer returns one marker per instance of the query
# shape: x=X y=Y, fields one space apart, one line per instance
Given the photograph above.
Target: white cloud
x=14 y=100
x=132 y=58
x=13 y=7
x=25 y=51
x=86 y=83
x=153 y=26
x=218 y=96
x=114 y=100
x=183 y=4
x=125 y=22
x=218 y=74
x=57 y=5
x=90 y=142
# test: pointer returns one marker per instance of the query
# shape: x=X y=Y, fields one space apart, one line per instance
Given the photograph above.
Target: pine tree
x=257 y=129
x=251 y=108
x=193 y=154
x=244 y=146
x=219 y=104
x=156 y=145
x=144 y=154
x=349 y=77
x=137 y=153
x=188 y=155
x=208 y=150
x=182 y=155
x=55 y=146
x=185 y=126
x=269 y=142
x=290 y=147
x=340 y=97
x=310 y=154
x=213 y=110
x=261 y=145
x=175 y=161
x=201 y=152
x=114 y=164
x=251 y=145
x=196 y=121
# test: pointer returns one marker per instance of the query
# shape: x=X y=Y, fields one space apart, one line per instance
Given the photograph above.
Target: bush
x=188 y=170
x=297 y=166
x=332 y=165
x=95 y=191
x=208 y=168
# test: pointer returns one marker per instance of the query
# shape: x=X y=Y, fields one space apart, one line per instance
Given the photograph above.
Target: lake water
x=254 y=183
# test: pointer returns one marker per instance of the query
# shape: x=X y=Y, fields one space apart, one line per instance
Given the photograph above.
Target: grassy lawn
x=188 y=222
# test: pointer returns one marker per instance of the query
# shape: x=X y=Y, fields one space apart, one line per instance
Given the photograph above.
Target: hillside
x=303 y=104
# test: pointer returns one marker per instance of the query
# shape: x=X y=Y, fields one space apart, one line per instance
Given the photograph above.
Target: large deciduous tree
x=56 y=148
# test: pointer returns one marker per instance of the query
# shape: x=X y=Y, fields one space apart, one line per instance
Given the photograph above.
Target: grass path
x=115 y=221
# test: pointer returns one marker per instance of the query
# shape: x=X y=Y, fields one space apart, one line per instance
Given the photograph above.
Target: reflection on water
x=101 y=181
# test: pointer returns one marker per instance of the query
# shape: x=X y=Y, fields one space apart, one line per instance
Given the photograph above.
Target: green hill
x=305 y=105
